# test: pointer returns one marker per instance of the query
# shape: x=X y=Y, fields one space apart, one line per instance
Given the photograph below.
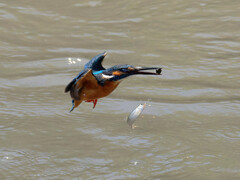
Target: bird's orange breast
x=88 y=88
x=92 y=90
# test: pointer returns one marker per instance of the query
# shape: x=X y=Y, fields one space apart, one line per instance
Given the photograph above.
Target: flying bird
x=95 y=82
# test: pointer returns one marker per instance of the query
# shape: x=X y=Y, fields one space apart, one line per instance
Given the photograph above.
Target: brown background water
x=191 y=128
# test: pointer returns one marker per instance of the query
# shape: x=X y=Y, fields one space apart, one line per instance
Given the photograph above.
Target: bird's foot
x=94 y=102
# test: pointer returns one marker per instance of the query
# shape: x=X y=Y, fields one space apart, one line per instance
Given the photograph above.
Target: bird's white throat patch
x=107 y=76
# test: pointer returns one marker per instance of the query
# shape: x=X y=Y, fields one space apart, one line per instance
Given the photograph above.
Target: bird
x=95 y=81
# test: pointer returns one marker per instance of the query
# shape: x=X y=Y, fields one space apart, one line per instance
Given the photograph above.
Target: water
x=191 y=128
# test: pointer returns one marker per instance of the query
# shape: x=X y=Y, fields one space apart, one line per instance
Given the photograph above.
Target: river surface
x=190 y=128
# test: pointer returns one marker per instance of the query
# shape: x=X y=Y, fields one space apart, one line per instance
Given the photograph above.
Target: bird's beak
x=145 y=70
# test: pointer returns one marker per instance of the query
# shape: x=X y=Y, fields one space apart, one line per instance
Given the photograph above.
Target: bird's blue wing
x=96 y=62
x=74 y=81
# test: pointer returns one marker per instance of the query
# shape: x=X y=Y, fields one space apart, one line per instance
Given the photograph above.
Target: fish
x=135 y=114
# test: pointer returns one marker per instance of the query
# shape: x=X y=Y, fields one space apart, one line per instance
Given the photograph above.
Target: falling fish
x=134 y=115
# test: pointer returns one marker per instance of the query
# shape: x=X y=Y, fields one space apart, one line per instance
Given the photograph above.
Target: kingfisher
x=95 y=82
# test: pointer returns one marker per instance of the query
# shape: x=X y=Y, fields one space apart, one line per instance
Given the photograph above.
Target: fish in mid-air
x=135 y=114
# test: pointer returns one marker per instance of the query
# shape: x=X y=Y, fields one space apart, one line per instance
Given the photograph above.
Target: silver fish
x=134 y=115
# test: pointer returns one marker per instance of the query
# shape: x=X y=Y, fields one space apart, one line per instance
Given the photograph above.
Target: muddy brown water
x=191 y=126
